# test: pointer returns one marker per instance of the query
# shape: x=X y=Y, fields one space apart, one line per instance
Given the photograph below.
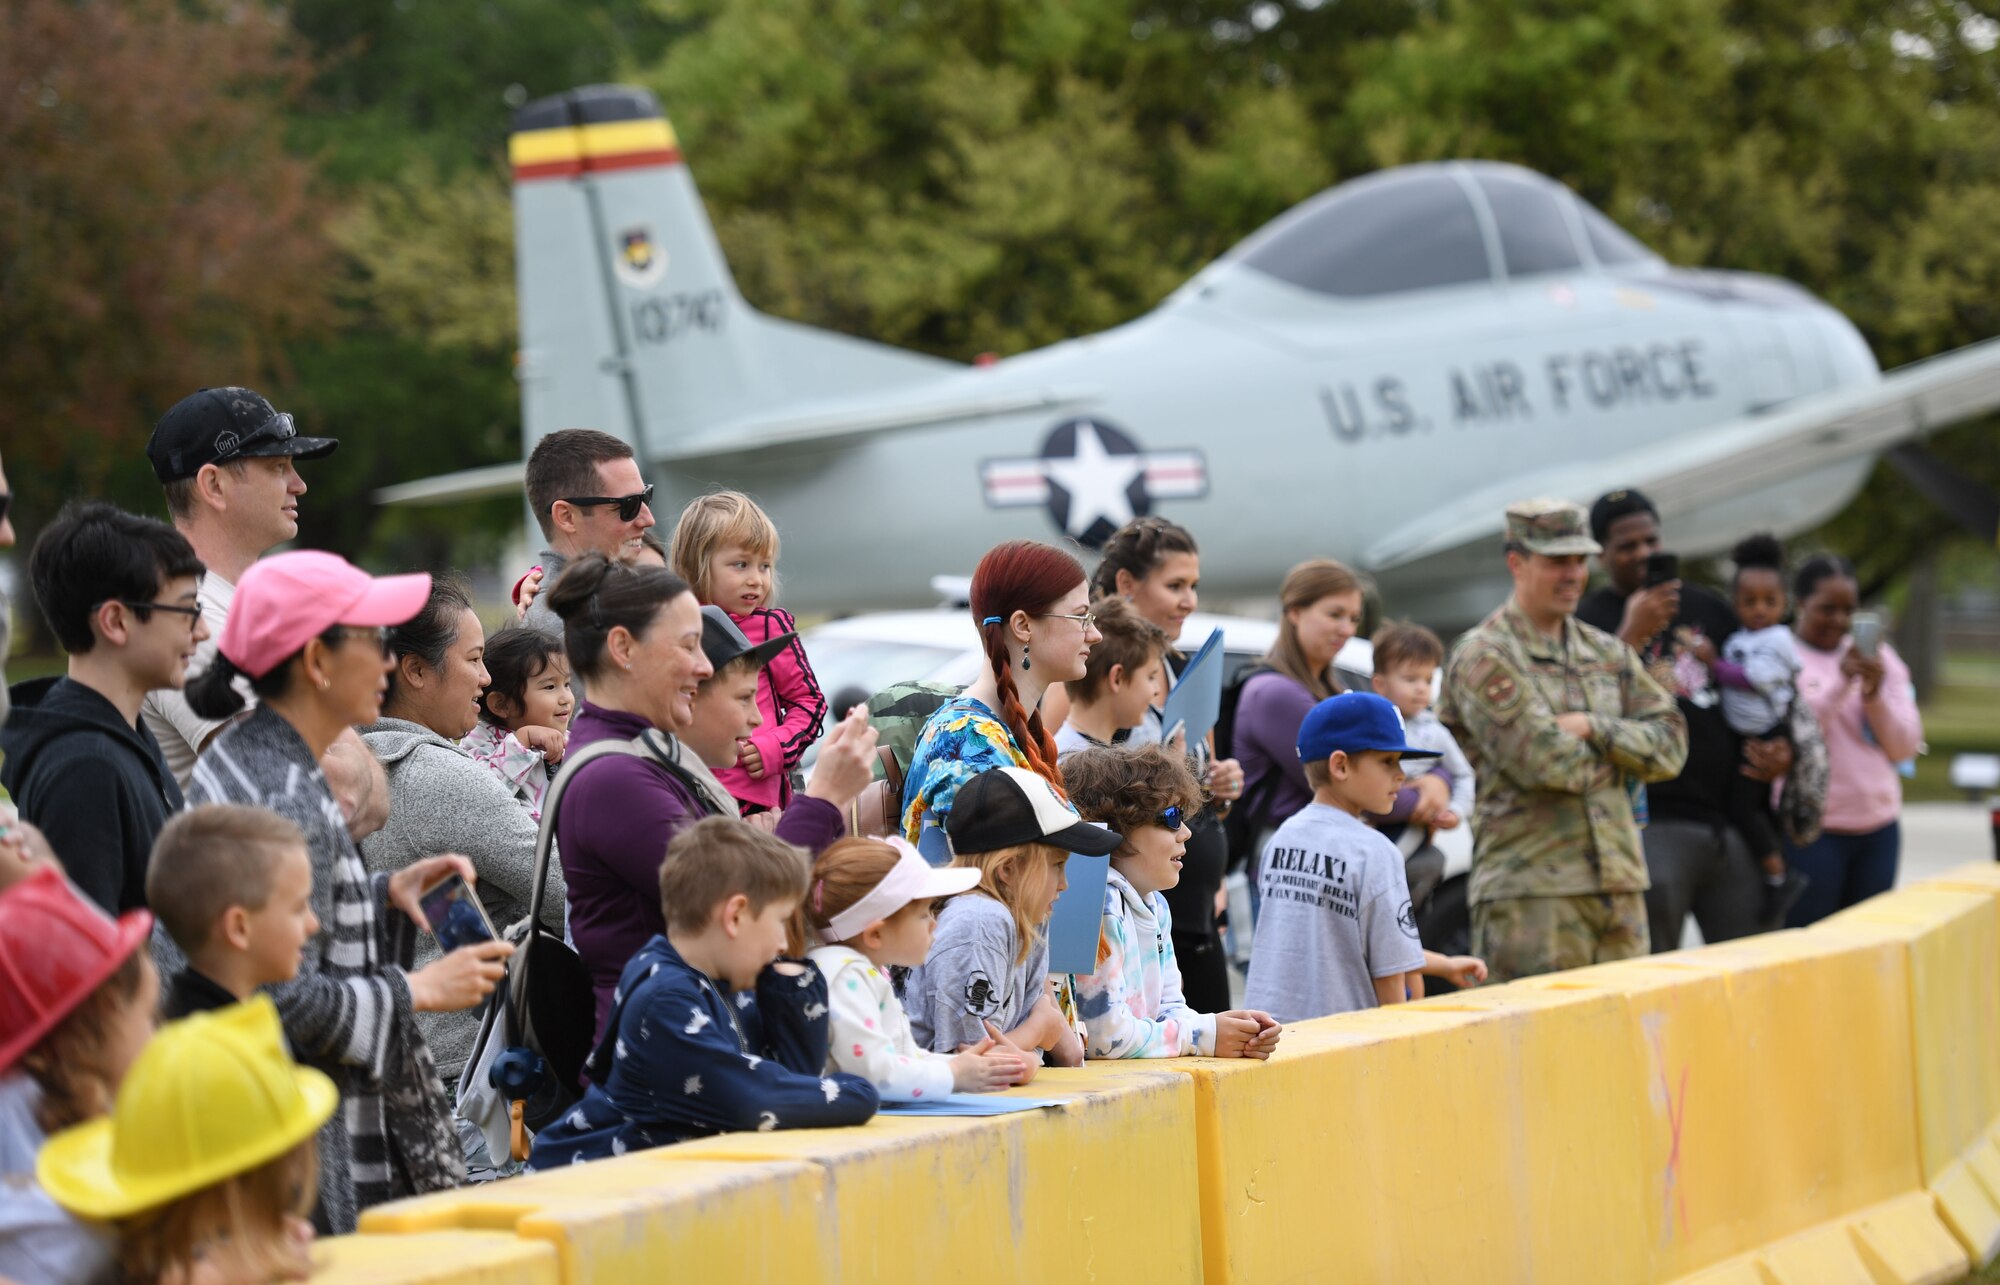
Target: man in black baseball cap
x=221 y=425
x=225 y=459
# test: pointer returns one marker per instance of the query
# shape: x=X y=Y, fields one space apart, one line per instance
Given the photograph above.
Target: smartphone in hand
x=1662 y=568
x=455 y=915
x=1867 y=631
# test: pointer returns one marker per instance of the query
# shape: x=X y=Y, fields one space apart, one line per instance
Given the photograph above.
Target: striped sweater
x=348 y=1012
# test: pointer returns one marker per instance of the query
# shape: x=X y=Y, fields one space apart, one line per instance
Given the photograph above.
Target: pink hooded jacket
x=789 y=698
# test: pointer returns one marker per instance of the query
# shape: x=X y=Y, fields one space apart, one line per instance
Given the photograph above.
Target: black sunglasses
x=628 y=505
x=1171 y=818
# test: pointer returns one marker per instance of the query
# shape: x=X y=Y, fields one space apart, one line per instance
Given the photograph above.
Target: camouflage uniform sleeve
x=1508 y=728
x=1651 y=740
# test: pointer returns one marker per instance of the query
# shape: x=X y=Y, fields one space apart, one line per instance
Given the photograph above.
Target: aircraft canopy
x=1419 y=227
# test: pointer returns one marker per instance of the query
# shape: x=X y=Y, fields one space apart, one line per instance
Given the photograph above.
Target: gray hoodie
x=440 y=800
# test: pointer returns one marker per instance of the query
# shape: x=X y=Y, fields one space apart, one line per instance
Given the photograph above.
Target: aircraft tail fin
x=630 y=318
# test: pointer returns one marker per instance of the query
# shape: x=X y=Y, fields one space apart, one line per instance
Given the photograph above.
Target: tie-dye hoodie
x=1132 y=1005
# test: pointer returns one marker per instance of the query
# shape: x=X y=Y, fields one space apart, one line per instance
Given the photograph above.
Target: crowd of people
x=386 y=877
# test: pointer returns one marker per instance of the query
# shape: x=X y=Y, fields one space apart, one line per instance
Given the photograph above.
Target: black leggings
x=1197 y=941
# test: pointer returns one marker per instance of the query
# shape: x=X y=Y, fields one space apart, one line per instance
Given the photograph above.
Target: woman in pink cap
x=307 y=630
x=77 y=999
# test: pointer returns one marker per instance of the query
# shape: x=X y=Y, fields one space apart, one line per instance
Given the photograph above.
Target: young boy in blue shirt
x=707 y=1033
x=1336 y=932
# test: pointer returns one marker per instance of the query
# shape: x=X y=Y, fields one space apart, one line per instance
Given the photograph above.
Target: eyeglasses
x=628 y=505
x=1088 y=619
x=192 y=613
x=1172 y=818
x=341 y=633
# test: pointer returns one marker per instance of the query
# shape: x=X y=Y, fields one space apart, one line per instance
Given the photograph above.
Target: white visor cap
x=911 y=879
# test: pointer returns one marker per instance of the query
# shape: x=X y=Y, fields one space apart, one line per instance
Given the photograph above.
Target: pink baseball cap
x=289 y=598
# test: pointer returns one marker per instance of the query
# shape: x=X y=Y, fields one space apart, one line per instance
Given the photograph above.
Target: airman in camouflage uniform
x=1561 y=723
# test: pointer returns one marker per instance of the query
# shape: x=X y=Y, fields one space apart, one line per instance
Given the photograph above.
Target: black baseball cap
x=1612 y=505
x=217 y=425
x=1005 y=806
x=722 y=641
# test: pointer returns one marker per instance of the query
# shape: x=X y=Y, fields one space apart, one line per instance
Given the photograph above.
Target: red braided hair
x=1021 y=575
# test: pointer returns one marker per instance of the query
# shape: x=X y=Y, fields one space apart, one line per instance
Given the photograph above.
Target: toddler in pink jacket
x=727 y=548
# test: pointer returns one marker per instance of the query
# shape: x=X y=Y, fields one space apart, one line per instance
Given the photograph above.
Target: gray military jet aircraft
x=1374 y=375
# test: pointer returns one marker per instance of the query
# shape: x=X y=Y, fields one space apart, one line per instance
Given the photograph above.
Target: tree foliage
x=155 y=234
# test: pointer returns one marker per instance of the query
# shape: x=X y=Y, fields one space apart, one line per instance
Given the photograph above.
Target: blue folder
x=968 y=1104
x=1196 y=699
x=1079 y=916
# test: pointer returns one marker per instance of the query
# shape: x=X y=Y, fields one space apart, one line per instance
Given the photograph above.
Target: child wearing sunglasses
x=1132 y=1004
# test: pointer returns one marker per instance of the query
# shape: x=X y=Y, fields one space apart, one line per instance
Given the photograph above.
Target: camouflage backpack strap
x=898 y=714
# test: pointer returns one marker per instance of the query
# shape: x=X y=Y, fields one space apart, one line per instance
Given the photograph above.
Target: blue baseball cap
x=1355 y=721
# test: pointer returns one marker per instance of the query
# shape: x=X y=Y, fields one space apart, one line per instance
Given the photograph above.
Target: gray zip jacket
x=440 y=800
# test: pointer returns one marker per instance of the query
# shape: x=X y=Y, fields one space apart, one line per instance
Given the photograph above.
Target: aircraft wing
x=1731 y=458
x=828 y=428
x=466 y=484
x=834 y=427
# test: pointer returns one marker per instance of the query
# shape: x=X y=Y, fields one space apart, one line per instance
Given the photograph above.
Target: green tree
x=154 y=233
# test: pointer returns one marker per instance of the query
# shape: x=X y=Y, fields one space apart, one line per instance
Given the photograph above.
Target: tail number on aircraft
x=661 y=319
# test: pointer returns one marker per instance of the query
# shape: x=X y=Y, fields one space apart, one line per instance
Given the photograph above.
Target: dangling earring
x=1024 y=658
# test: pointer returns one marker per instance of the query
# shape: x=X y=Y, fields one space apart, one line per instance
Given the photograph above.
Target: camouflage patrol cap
x=1553 y=528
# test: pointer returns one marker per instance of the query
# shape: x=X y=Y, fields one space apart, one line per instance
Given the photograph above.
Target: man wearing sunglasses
x=226 y=459
x=586 y=492
x=119 y=593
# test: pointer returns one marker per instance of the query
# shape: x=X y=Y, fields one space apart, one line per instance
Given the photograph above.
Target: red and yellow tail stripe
x=588 y=149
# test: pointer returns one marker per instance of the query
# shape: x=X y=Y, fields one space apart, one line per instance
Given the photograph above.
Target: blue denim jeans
x=1844 y=869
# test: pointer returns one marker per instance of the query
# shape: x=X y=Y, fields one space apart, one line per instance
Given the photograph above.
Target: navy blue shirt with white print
x=688 y=1061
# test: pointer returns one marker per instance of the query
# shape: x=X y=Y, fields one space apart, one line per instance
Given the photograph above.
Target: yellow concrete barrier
x=441 y=1258
x=1756 y=1055
x=1801 y=1108
x=1468 y=1140
x=1948 y=931
x=1102 y=1188
x=620 y=1219
x=1104 y=1184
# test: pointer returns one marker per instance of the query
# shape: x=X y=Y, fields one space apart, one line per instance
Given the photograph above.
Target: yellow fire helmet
x=214 y=1095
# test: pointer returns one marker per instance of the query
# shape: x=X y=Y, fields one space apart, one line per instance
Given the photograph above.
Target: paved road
x=1938 y=836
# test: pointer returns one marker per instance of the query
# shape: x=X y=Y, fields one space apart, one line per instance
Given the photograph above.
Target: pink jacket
x=793 y=707
x=1864 y=793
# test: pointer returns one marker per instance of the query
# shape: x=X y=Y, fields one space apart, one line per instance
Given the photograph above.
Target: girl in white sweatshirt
x=871 y=902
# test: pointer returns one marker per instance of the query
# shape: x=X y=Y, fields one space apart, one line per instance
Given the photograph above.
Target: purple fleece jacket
x=617 y=816
x=1269 y=714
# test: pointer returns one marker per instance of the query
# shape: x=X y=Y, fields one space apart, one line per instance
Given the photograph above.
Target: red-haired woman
x=1031 y=603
